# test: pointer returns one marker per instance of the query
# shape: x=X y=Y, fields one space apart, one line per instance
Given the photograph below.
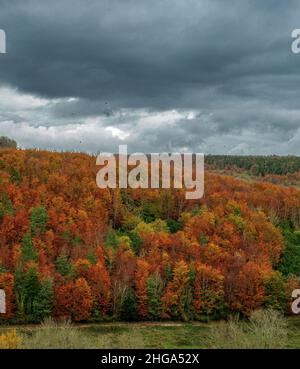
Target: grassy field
x=294 y=333
x=232 y=334
x=155 y=336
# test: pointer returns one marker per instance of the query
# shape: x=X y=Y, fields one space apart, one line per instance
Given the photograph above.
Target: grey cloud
x=229 y=61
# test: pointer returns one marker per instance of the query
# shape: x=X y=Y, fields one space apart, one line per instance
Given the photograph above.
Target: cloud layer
x=199 y=75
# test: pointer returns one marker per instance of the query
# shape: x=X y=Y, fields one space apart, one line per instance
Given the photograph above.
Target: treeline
x=256 y=165
x=6 y=142
x=69 y=249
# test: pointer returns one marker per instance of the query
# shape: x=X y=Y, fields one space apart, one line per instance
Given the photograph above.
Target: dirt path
x=109 y=324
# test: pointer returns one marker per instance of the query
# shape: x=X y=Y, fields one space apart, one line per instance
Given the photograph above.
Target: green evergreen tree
x=6 y=207
x=149 y=212
x=129 y=307
x=153 y=298
x=111 y=239
x=38 y=220
x=173 y=225
x=275 y=291
x=136 y=242
x=28 y=251
x=6 y=142
x=43 y=303
x=62 y=265
x=92 y=257
x=32 y=288
x=19 y=294
x=290 y=261
x=15 y=175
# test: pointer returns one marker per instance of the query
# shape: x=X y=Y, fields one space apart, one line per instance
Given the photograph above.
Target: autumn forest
x=70 y=249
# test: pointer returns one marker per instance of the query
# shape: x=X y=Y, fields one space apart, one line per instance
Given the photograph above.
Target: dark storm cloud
x=230 y=61
x=141 y=53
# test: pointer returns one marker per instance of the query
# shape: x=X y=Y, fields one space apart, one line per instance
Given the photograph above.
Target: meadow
x=264 y=330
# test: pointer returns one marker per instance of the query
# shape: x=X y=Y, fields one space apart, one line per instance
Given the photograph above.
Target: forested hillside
x=257 y=165
x=69 y=249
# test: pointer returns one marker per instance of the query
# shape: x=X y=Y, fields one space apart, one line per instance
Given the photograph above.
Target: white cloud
x=32 y=122
x=116 y=132
x=13 y=99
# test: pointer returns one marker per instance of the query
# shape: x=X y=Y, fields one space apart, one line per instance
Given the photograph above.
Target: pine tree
x=153 y=299
x=19 y=293
x=32 y=288
x=43 y=303
x=129 y=307
x=38 y=220
x=62 y=265
x=28 y=251
x=6 y=206
x=6 y=142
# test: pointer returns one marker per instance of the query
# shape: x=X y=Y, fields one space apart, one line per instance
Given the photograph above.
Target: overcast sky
x=171 y=75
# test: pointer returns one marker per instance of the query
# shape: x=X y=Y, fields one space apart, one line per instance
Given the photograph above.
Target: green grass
x=185 y=335
x=158 y=336
x=284 y=333
x=294 y=332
